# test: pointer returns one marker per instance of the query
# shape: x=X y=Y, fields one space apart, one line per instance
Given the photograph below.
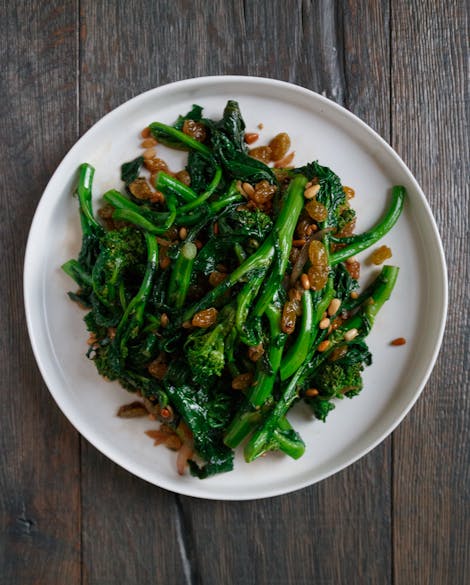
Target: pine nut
x=305 y=281
x=354 y=294
x=145 y=132
x=311 y=192
x=324 y=345
x=334 y=306
x=164 y=320
x=251 y=137
x=351 y=334
x=324 y=323
x=249 y=189
x=311 y=392
x=398 y=341
x=183 y=233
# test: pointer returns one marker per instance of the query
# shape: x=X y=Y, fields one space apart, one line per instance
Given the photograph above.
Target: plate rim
x=87 y=431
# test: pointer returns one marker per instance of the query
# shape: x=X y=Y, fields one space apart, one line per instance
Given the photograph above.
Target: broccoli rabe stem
x=75 y=270
x=204 y=196
x=133 y=317
x=180 y=278
x=263 y=383
x=177 y=139
x=85 y=180
x=262 y=439
x=299 y=350
x=169 y=185
x=360 y=242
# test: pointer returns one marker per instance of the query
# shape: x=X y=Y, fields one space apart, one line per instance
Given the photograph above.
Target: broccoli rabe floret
x=336 y=379
x=205 y=350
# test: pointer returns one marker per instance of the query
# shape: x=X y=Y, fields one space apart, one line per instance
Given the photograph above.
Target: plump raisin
x=156 y=164
x=242 y=381
x=132 y=410
x=262 y=153
x=289 y=317
x=255 y=352
x=141 y=189
x=279 y=146
x=195 y=129
x=263 y=192
x=380 y=255
x=184 y=177
x=316 y=210
x=354 y=268
x=317 y=253
x=205 y=318
x=318 y=275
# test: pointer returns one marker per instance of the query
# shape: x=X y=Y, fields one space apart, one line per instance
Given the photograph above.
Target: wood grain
x=432 y=446
x=39 y=463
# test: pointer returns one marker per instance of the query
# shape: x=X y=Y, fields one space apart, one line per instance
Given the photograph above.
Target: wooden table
x=398 y=516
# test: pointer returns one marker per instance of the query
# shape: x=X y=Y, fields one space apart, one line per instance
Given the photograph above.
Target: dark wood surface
x=398 y=516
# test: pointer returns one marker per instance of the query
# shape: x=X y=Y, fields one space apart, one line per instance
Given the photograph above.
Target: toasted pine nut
x=351 y=334
x=334 y=306
x=215 y=228
x=183 y=233
x=398 y=341
x=187 y=325
x=324 y=323
x=312 y=191
x=305 y=281
x=149 y=153
x=354 y=294
x=311 y=392
x=324 y=345
x=145 y=132
x=249 y=189
x=164 y=320
x=251 y=137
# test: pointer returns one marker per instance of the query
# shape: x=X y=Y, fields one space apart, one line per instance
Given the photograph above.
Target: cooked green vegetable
x=226 y=298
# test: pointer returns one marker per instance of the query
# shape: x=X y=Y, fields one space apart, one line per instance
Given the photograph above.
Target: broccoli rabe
x=205 y=350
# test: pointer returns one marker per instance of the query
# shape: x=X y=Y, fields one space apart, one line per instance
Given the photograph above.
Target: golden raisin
x=347 y=230
x=262 y=153
x=316 y=210
x=158 y=368
x=216 y=277
x=156 y=164
x=255 y=352
x=279 y=146
x=205 y=318
x=338 y=353
x=318 y=276
x=184 y=177
x=289 y=317
x=141 y=189
x=242 y=381
x=264 y=192
x=354 y=269
x=317 y=253
x=195 y=129
x=132 y=410
x=380 y=255
x=349 y=192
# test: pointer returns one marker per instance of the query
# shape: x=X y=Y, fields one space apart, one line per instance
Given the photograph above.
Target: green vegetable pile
x=198 y=302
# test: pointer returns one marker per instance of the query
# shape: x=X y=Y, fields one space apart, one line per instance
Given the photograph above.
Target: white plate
x=321 y=130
